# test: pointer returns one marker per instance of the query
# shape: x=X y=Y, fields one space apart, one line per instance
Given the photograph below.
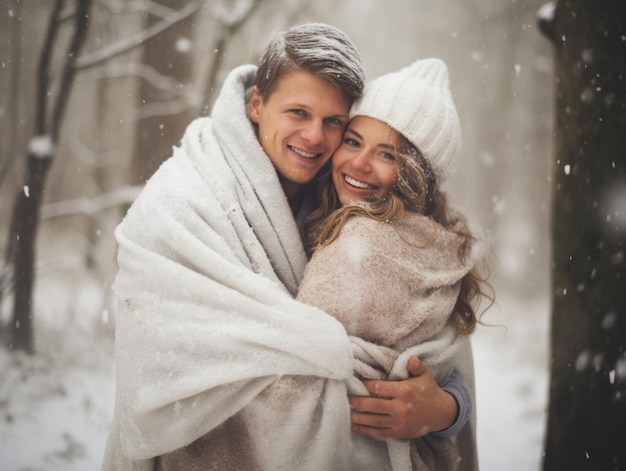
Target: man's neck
x=293 y=191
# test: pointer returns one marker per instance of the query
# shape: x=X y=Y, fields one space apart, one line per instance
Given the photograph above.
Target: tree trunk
x=156 y=135
x=586 y=427
x=25 y=216
x=25 y=223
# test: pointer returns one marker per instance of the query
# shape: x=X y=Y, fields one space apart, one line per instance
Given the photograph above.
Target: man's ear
x=256 y=102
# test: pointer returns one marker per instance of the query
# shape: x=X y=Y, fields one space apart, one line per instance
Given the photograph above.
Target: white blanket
x=209 y=260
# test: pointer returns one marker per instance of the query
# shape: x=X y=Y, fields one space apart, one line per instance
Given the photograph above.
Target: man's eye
x=334 y=121
x=298 y=112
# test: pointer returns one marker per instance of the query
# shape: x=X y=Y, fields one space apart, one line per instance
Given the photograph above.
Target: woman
x=391 y=260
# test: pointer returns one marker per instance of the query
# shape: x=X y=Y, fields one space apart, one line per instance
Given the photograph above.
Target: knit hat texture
x=416 y=101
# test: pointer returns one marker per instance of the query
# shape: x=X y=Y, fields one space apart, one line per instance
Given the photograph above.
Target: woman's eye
x=389 y=156
x=351 y=142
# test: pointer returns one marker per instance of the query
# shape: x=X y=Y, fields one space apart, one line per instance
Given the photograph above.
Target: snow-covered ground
x=56 y=405
x=511 y=359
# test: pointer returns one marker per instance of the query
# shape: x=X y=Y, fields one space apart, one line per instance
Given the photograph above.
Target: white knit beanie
x=416 y=101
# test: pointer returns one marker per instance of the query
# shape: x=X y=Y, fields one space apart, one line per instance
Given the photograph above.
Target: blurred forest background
x=126 y=113
x=129 y=106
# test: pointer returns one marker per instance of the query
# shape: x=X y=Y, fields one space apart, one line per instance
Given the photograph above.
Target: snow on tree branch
x=106 y=53
x=230 y=22
x=139 y=6
x=234 y=18
x=145 y=72
x=166 y=108
x=91 y=206
x=546 y=12
x=41 y=146
x=545 y=19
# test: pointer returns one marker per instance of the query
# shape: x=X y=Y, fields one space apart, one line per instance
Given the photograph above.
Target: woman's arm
x=455 y=385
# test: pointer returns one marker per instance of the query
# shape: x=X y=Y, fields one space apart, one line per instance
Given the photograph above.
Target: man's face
x=300 y=125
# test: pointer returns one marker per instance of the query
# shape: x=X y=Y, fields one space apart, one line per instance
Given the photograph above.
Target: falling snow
x=183 y=45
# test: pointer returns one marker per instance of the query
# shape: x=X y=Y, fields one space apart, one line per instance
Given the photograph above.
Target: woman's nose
x=361 y=162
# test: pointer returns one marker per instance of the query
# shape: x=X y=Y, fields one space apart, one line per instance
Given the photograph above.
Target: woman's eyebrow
x=387 y=146
x=384 y=145
x=352 y=131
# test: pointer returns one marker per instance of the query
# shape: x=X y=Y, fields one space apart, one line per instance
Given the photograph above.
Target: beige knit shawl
x=394 y=286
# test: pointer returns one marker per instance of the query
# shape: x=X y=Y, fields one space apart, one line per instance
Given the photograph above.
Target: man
x=218 y=367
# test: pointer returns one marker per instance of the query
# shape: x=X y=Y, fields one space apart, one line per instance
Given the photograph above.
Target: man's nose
x=314 y=132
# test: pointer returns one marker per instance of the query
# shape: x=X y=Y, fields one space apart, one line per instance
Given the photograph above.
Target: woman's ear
x=255 y=105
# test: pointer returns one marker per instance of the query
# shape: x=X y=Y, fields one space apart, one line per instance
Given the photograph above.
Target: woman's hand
x=403 y=409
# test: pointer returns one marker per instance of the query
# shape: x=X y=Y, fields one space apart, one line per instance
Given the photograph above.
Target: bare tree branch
x=229 y=26
x=302 y=9
x=91 y=206
x=166 y=108
x=84 y=154
x=69 y=70
x=145 y=72
x=121 y=47
x=137 y=6
x=44 y=70
x=10 y=135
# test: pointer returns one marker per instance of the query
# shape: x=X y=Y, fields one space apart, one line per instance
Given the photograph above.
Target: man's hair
x=319 y=49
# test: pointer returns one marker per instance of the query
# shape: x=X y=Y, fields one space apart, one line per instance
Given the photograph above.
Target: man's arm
x=413 y=407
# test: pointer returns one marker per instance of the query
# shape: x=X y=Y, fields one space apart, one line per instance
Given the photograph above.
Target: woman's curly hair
x=415 y=189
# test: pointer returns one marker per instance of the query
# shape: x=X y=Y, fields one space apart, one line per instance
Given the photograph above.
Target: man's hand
x=403 y=409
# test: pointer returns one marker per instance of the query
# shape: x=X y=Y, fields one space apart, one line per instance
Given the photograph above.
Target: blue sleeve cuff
x=456 y=386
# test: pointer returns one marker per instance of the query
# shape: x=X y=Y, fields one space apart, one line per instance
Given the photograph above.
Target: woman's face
x=364 y=166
